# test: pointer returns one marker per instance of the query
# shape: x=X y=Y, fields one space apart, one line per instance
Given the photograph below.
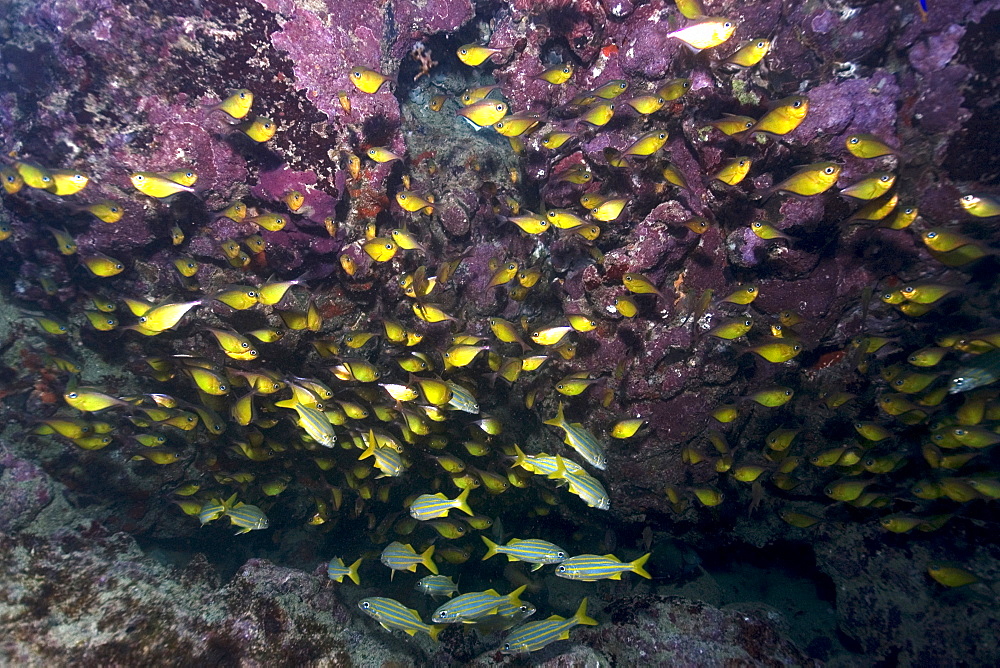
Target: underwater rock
x=95 y=598
x=25 y=489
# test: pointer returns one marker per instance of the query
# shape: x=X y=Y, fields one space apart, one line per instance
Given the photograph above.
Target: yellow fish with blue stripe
x=394 y=616
x=313 y=421
x=336 y=570
x=431 y=506
x=593 y=567
x=247 y=517
x=532 y=550
x=469 y=607
x=402 y=557
x=580 y=439
x=533 y=636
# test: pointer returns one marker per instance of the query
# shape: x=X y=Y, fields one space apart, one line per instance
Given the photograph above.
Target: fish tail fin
x=491 y=548
x=462 y=501
x=560 y=471
x=369 y=451
x=427 y=560
x=581 y=615
x=434 y=629
x=515 y=596
x=521 y=457
x=637 y=566
x=352 y=572
x=560 y=418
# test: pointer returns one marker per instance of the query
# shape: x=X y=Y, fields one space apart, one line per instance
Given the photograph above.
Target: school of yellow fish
x=381 y=423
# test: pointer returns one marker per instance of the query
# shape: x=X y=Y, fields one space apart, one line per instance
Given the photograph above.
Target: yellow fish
x=556 y=139
x=411 y=201
x=105 y=211
x=67 y=182
x=611 y=90
x=609 y=210
x=238 y=104
x=259 y=129
x=367 y=80
x=157 y=186
x=557 y=74
x=550 y=336
x=33 y=175
x=103 y=266
x=766 y=231
x=90 y=400
x=734 y=171
x=864 y=145
x=381 y=249
x=811 y=180
x=484 y=112
x=674 y=176
x=11 y=180
x=705 y=33
x=640 y=285
x=475 y=54
x=646 y=104
x=471 y=95
x=742 y=296
x=873 y=186
x=731 y=125
x=980 y=206
x=785 y=116
x=294 y=200
x=626 y=306
x=750 y=53
x=163 y=317
x=185 y=177
x=101 y=321
x=516 y=125
x=674 y=89
x=599 y=115
x=65 y=243
x=380 y=154
x=272 y=222
x=690 y=9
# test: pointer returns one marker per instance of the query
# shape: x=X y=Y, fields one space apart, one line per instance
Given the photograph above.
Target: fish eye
x=908 y=289
x=751 y=290
x=463 y=51
x=969 y=198
x=251 y=293
x=357 y=75
x=854 y=140
x=828 y=170
x=761 y=44
x=908 y=210
x=500 y=106
x=388 y=246
x=365 y=604
x=110 y=321
x=931 y=235
x=506 y=647
x=757 y=223
x=72 y=395
x=742 y=162
x=222 y=387
x=623 y=85
x=899 y=383
x=244 y=344
x=561 y=569
x=566 y=70
x=512 y=266
x=662 y=135
x=788 y=393
x=958 y=432
x=748 y=322
x=139 y=177
x=797 y=104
